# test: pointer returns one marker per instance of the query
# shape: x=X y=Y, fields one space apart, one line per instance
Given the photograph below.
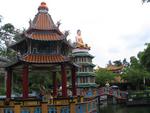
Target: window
x=84 y=80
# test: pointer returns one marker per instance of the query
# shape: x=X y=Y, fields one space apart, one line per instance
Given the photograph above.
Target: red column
x=54 y=84
x=25 y=81
x=74 y=88
x=8 y=83
x=64 y=80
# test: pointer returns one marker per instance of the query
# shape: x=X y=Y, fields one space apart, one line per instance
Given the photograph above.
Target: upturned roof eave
x=80 y=54
x=16 y=43
x=30 y=29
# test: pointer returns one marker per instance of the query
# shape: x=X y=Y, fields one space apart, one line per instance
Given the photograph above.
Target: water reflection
x=124 y=109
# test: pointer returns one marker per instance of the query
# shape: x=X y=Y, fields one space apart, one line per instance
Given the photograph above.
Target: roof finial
x=58 y=23
x=43 y=7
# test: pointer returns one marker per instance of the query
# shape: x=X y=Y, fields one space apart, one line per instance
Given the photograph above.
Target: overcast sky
x=115 y=29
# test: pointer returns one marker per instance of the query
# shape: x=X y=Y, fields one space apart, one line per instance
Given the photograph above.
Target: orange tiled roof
x=33 y=58
x=43 y=21
x=52 y=37
x=113 y=68
x=42 y=27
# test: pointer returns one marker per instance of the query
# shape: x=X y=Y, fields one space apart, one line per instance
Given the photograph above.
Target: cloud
x=137 y=40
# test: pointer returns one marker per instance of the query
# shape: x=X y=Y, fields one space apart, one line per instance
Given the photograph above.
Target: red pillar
x=25 y=81
x=74 y=88
x=8 y=83
x=54 y=84
x=64 y=80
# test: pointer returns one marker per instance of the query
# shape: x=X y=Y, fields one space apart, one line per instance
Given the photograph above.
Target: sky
x=115 y=29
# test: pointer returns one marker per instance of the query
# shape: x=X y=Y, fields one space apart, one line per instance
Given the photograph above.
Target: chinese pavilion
x=85 y=73
x=115 y=69
x=42 y=47
x=118 y=71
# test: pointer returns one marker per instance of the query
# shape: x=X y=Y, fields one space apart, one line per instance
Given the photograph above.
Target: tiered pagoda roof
x=82 y=54
x=114 y=68
x=42 y=28
x=32 y=58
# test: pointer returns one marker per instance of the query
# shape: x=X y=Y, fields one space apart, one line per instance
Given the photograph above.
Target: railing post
x=87 y=107
x=58 y=109
x=44 y=107
x=17 y=108
x=98 y=103
x=81 y=98
x=72 y=107
x=1 y=110
x=31 y=109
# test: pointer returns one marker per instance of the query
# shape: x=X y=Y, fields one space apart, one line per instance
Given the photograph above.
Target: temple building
x=42 y=47
x=118 y=70
x=115 y=69
x=85 y=73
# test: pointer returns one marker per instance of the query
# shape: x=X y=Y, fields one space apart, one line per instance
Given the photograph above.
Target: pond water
x=124 y=109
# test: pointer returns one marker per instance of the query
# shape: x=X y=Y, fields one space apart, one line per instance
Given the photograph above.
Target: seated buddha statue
x=79 y=41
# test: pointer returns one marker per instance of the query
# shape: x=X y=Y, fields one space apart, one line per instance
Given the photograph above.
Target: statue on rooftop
x=79 y=41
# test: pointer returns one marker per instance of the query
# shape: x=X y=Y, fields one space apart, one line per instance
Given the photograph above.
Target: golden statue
x=79 y=41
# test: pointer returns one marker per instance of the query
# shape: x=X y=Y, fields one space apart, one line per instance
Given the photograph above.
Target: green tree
x=103 y=75
x=8 y=35
x=135 y=73
x=145 y=57
x=117 y=63
x=36 y=79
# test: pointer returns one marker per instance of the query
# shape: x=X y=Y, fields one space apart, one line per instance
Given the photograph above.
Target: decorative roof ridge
x=46 y=30
x=50 y=18
x=4 y=59
x=44 y=54
x=47 y=58
x=16 y=42
x=29 y=35
x=113 y=67
x=24 y=55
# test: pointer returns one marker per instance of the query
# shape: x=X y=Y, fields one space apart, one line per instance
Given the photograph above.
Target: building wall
x=85 y=73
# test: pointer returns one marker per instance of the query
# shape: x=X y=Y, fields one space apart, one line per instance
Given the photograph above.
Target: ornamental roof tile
x=114 y=68
x=46 y=36
x=34 y=58
x=42 y=27
x=43 y=21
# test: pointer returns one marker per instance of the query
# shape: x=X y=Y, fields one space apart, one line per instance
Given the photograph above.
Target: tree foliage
x=36 y=79
x=117 y=63
x=8 y=35
x=135 y=73
x=145 y=57
x=103 y=75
